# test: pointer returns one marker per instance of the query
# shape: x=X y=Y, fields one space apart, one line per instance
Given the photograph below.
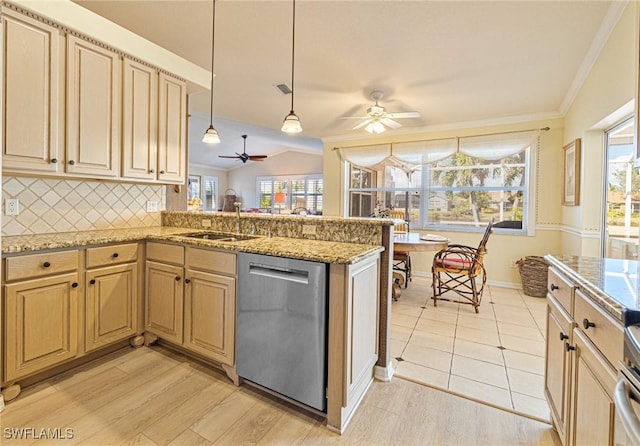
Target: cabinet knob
x=563 y=336
x=74 y=285
x=568 y=347
x=54 y=160
x=114 y=255
x=586 y=323
x=554 y=287
x=92 y=281
x=71 y=162
x=178 y=278
x=46 y=264
x=152 y=171
x=162 y=172
x=187 y=280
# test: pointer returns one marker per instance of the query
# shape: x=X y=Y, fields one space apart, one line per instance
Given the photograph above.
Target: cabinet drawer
x=166 y=253
x=605 y=333
x=561 y=288
x=214 y=261
x=110 y=255
x=35 y=265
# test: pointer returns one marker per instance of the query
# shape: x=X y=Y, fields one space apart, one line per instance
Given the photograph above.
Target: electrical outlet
x=11 y=206
x=308 y=229
x=206 y=223
x=152 y=206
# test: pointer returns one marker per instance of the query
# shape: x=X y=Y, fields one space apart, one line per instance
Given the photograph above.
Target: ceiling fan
x=377 y=118
x=244 y=157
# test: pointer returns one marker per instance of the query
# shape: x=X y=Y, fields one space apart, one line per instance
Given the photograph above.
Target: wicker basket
x=533 y=272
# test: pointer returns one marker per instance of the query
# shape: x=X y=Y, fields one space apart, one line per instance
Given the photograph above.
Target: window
x=291 y=194
x=622 y=194
x=456 y=183
x=202 y=193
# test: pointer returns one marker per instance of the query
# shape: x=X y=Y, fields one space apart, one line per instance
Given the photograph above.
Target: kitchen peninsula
x=73 y=265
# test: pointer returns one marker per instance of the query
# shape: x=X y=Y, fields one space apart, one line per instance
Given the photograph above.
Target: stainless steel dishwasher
x=281 y=329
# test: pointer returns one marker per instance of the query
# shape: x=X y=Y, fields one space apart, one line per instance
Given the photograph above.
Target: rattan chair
x=401 y=259
x=459 y=270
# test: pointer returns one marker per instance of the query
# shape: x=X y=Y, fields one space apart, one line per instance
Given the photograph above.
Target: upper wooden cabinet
x=93 y=109
x=139 y=121
x=172 y=130
x=32 y=76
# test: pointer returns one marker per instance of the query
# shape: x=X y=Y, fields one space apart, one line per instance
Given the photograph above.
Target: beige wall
x=243 y=179
x=223 y=180
x=603 y=99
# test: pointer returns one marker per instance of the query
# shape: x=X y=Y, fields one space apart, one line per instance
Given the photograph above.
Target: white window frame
x=288 y=179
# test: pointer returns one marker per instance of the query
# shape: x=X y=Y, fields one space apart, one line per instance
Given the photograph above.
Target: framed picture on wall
x=571 y=189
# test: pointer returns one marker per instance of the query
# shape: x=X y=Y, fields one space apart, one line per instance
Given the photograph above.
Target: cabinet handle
x=92 y=281
x=152 y=171
x=54 y=160
x=115 y=255
x=71 y=162
x=187 y=280
x=568 y=347
x=563 y=336
x=46 y=264
x=74 y=285
x=162 y=172
x=178 y=278
x=554 y=287
x=586 y=323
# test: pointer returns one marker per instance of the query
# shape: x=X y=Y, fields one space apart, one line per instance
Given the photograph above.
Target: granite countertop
x=612 y=283
x=304 y=249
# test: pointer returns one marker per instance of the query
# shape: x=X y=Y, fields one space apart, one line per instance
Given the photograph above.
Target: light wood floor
x=152 y=396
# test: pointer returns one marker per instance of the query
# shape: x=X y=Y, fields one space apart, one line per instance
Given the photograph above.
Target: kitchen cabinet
x=93 y=109
x=37 y=287
x=139 y=120
x=583 y=344
x=172 y=129
x=32 y=127
x=112 y=298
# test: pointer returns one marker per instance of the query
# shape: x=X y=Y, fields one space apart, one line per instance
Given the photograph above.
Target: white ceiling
x=453 y=61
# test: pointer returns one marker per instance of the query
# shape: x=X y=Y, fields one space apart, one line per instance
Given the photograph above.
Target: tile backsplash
x=60 y=205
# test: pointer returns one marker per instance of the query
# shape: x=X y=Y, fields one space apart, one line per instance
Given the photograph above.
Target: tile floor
x=496 y=356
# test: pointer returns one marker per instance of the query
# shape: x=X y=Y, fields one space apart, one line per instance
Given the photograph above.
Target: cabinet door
x=139 y=121
x=41 y=323
x=558 y=365
x=111 y=305
x=593 y=411
x=93 y=109
x=210 y=314
x=172 y=129
x=164 y=301
x=31 y=94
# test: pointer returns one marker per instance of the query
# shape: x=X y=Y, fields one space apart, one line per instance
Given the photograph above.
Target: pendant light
x=211 y=134
x=291 y=121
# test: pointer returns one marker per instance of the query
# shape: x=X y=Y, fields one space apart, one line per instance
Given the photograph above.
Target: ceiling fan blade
x=413 y=114
x=390 y=123
x=257 y=157
x=362 y=124
x=227 y=156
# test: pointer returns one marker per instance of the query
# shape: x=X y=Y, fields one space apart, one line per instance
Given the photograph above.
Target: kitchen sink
x=220 y=236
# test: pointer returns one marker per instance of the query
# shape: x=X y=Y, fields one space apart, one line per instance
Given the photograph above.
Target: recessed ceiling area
x=453 y=62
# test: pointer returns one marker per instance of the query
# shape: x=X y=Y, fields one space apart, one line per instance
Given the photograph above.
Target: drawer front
x=165 y=253
x=36 y=265
x=561 y=288
x=111 y=255
x=603 y=330
x=214 y=261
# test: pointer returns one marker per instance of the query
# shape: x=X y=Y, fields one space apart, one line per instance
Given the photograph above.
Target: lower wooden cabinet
x=41 y=324
x=111 y=305
x=164 y=301
x=210 y=312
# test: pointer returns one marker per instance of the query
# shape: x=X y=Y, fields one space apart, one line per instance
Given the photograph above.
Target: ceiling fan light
x=291 y=123
x=211 y=136
x=375 y=127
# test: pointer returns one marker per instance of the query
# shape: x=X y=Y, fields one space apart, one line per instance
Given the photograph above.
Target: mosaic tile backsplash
x=60 y=205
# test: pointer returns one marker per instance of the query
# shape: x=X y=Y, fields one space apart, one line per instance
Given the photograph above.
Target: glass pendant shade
x=375 y=127
x=291 y=123
x=211 y=136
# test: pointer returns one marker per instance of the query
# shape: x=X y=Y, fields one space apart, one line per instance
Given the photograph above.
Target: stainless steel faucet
x=237 y=204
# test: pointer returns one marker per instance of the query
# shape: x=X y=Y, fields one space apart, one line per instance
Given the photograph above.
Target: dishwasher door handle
x=623 y=394
x=290 y=275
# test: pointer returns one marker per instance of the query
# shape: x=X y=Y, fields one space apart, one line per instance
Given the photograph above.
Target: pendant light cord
x=293 y=52
x=213 y=53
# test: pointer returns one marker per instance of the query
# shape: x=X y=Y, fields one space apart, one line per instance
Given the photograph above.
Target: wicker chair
x=459 y=269
x=401 y=259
